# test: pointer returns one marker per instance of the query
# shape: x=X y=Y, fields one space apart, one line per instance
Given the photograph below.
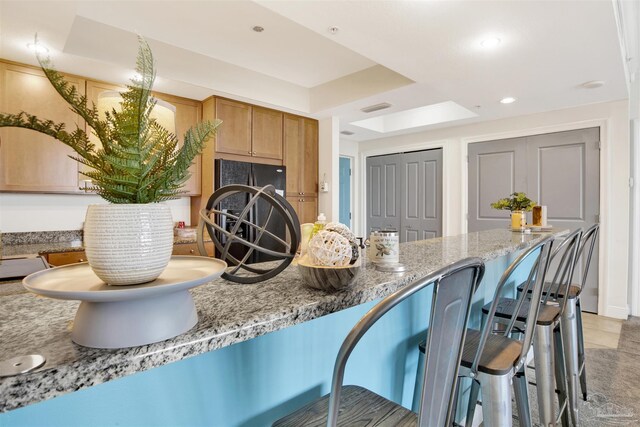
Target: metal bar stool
x=571 y=323
x=493 y=361
x=588 y=240
x=548 y=344
x=454 y=286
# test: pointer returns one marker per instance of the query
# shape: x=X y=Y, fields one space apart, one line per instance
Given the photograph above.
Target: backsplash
x=31 y=237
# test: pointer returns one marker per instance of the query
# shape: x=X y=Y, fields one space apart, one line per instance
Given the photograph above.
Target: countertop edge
x=23 y=390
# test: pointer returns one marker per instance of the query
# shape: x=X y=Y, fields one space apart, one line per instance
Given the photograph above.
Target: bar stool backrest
x=454 y=286
x=589 y=238
x=535 y=281
x=565 y=254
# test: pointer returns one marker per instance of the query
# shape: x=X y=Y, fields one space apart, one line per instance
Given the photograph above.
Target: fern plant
x=139 y=161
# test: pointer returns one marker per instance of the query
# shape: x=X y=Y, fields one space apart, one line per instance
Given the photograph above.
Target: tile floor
x=600 y=331
x=612 y=350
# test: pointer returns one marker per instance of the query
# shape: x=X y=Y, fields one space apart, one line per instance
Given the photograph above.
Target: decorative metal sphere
x=239 y=234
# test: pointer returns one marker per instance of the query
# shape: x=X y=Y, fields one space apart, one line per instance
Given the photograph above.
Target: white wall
x=329 y=166
x=612 y=117
x=20 y=212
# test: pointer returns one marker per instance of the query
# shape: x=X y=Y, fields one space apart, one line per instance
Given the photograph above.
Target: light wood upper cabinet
x=266 y=126
x=234 y=135
x=248 y=130
x=31 y=161
x=301 y=155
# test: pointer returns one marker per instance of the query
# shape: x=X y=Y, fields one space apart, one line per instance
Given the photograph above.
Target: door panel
x=421 y=195
x=383 y=190
x=564 y=192
x=496 y=169
x=430 y=189
x=564 y=175
x=410 y=235
x=412 y=188
x=559 y=170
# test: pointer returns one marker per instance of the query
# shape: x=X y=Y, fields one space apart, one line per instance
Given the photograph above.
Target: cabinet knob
x=192 y=251
x=80 y=260
x=249 y=152
x=302 y=194
x=254 y=153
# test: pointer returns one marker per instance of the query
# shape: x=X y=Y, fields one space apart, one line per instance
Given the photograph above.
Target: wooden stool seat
x=574 y=290
x=547 y=315
x=358 y=407
x=500 y=353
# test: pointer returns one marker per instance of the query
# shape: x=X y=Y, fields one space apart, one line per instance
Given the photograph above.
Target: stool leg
x=522 y=398
x=473 y=401
x=581 y=358
x=561 y=377
x=496 y=400
x=545 y=381
x=569 y=326
x=417 y=392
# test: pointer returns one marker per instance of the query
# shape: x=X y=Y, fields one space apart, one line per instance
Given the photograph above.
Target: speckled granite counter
x=12 y=250
x=228 y=313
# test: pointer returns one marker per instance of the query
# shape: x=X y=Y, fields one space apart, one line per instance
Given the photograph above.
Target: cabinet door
x=308 y=210
x=293 y=148
x=188 y=113
x=31 y=161
x=309 y=183
x=266 y=133
x=234 y=135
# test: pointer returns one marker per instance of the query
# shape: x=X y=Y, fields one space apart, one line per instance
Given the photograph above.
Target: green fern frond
x=139 y=161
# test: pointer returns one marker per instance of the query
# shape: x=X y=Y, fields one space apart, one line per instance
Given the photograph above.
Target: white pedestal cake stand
x=128 y=316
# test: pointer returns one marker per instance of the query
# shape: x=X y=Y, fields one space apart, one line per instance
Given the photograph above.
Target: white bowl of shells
x=332 y=260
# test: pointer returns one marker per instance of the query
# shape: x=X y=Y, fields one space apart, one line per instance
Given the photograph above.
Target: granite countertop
x=228 y=313
x=12 y=250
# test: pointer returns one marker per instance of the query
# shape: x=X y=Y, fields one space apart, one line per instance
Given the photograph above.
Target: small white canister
x=385 y=246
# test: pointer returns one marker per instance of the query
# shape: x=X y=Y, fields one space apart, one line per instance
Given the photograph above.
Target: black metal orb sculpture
x=249 y=225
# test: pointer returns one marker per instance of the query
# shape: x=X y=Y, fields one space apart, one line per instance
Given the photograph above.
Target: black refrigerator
x=229 y=172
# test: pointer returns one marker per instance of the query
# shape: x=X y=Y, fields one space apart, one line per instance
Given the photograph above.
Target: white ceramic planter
x=128 y=244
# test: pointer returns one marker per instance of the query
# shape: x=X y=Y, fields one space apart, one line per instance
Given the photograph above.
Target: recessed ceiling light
x=333 y=30
x=593 y=84
x=38 y=48
x=490 y=42
x=508 y=100
x=258 y=29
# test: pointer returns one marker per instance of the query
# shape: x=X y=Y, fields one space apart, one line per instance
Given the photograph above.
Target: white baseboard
x=616 y=312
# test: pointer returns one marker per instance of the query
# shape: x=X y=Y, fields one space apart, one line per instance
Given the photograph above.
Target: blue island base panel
x=253 y=383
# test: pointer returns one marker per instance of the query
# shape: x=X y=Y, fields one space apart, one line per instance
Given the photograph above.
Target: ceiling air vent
x=346 y=132
x=377 y=107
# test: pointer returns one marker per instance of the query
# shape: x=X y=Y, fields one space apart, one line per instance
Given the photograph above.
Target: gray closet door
x=421 y=208
x=563 y=171
x=560 y=170
x=496 y=169
x=383 y=193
